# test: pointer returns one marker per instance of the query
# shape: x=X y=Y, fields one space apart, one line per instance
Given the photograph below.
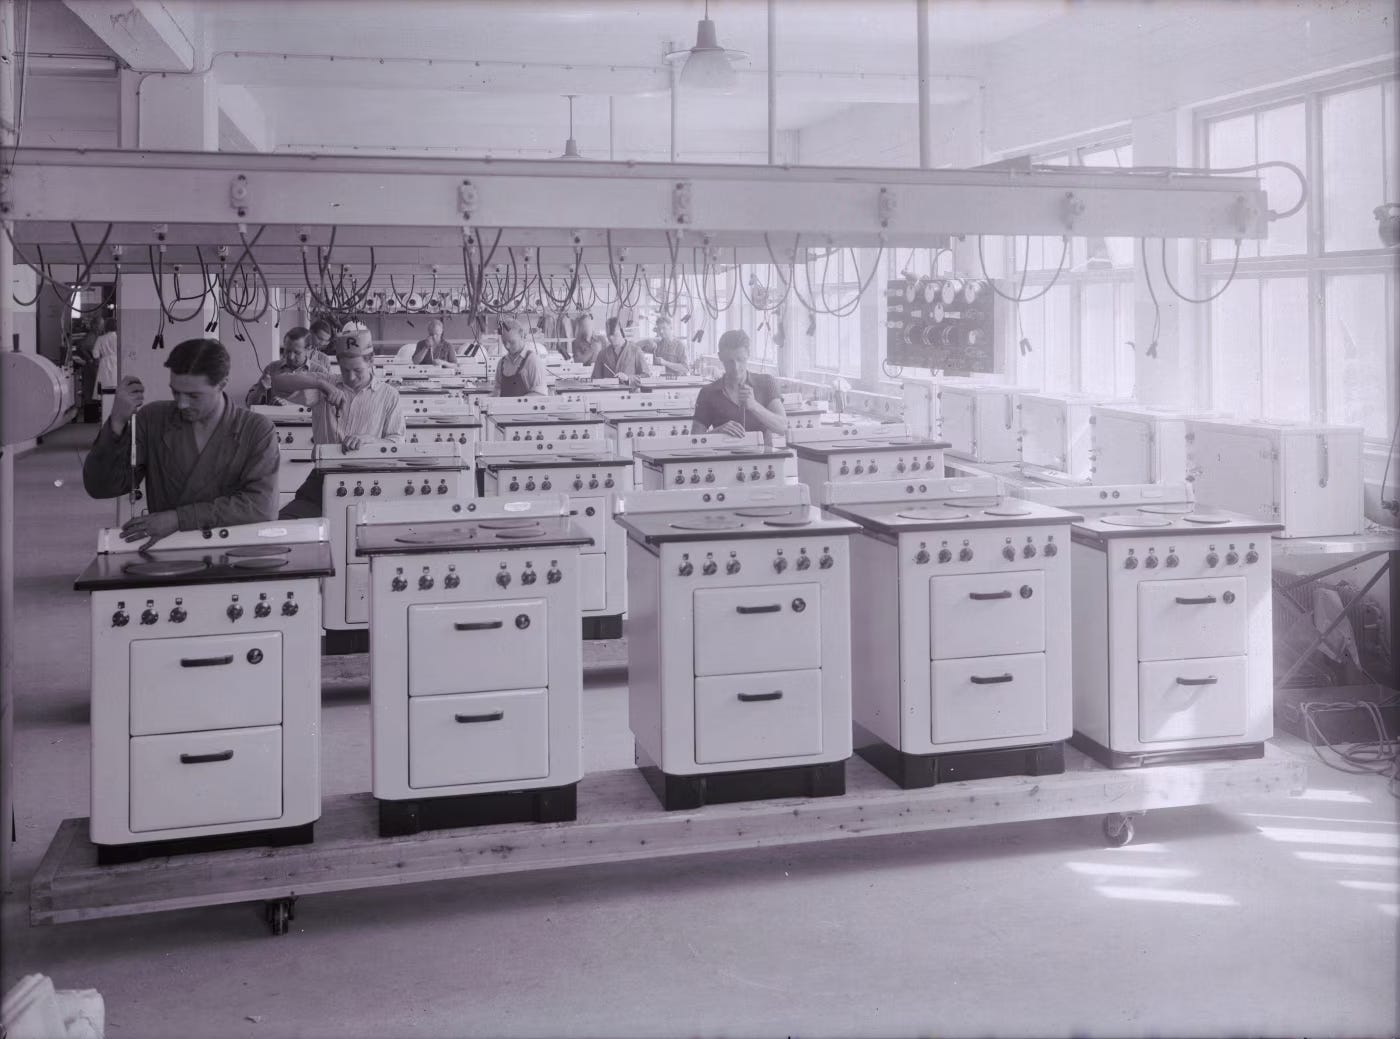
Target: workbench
x=619 y=821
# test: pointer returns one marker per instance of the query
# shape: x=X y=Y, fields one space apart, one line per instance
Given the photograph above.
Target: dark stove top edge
x=972 y=523
x=822 y=452
x=105 y=571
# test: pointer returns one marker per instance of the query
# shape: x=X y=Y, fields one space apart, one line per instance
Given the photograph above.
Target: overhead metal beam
x=840 y=206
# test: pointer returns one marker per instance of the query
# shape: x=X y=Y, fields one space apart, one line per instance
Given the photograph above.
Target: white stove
x=1173 y=643
x=527 y=419
x=441 y=424
x=1055 y=432
x=1136 y=444
x=712 y=460
x=628 y=428
x=294 y=446
x=862 y=454
x=206 y=688
x=592 y=478
x=962 y=641
x=1305 y=477
x=979 y=420
x=738 y=643
x=805 y=416
x=476 y=673
x=921 y=411
x=379 y=472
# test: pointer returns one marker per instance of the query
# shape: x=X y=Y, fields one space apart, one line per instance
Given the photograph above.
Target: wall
x=71 y=111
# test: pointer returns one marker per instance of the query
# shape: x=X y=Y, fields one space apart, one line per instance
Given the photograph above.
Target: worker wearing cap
x=520 y=373
x=352 y=409
x=206 y=461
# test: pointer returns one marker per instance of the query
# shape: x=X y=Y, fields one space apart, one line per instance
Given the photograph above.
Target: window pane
x=1125 y=370
x=1234 y=341
x=1356 y=353
x=1097 y=346
x=1230 y=143
x=1028 y=367
x=1059 y=376
x=1283 y=136
x=1353 y=168
x=1284 y=302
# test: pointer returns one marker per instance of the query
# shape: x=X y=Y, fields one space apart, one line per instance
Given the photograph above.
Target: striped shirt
x=372 y=413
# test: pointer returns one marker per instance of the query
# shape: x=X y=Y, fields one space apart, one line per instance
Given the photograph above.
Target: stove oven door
x=477 y=647
x=1192 y=699
x=977 y=615
x=1202 y=617
x=742 y=630
x=209 y=682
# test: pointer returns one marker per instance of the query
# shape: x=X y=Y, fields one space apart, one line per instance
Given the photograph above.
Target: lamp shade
x=708 y=67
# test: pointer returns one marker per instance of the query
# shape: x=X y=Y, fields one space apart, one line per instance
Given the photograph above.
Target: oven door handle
x=1211 y=680
x=206 y=661
x=776 y=694
x=469 y=719
x=478 y=625
x=774 y=608
x=200 y=759
x=982 y=596
x=991 y=679
x=1204 y=600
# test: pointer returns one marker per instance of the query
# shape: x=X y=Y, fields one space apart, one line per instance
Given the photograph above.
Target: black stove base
x=679 y=793
x=553 y=804
x=913 y=771
x=336 y=642
x=285 y=837
x=1146 y=758
x=609 y=627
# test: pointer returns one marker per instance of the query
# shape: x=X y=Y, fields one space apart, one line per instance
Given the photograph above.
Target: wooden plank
x=619 y=820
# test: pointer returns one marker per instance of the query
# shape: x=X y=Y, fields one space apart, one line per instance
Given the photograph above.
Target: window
x=828 y=336
x=1306 y=331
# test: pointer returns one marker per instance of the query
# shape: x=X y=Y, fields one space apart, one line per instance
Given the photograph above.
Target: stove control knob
x=770 y=474
x=859 y=469
x=1150 y=562
x=234 y=611
x=290 y=608
x=686 y=568
x=709 y=569
x=408 y=488
x=965 y=555
x=341 y=492
x=921 y=556
x=1028 y=551
x=900 y=467
x=742 y=477
x=120 y=619
x=374 y=491
x=452 y=580
x=754 y=475
x=804 y=562
x=178 y=615
x=1251 y=556
x=732 y=567
x=554 y=575
x=845 y=469
x=514 y=485
x=1052 y=549
x=578 y=484
x=1172 y=560
x=609 y=482
x=695 y=476
x=1009 y=553
x=425 y=582
x=1232 y=557
x=503 y=579
x=359 y=491
x=149 y=615
x=680 y=479
x=945 y=555
x=780 y=564
x=593 y=483
x=874 y=468
x=1212 y=559
x=546 y=484
x=1130 y=563
x=709 y=476
x=826 y=562
x=914 y=466
x=529 y=577
x=398 y=584
x=262 y=609
x=442 y=487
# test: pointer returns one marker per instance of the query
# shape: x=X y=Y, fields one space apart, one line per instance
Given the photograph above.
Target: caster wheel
x=278 y=915
x=1117 y=829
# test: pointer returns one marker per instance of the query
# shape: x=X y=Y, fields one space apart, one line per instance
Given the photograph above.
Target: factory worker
x=322 y=334
x=739 y=401
x=668 y=352
x=353 y=409
x=206 y=461
x=620 y=358
x=435 y=348
x=520 y=373
x=586 y=345
x=105 y=350
x=297 y=356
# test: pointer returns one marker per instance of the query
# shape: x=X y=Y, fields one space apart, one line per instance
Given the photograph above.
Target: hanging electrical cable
x=1020 y=297
x=1167 y=277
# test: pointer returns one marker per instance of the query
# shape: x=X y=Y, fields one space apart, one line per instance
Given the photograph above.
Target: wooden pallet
x=619 y=820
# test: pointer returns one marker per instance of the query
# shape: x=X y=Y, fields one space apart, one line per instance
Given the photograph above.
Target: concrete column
x=178 y=113
x=7 y=478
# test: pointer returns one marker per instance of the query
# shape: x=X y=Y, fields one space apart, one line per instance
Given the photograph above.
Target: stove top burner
x=933 y=514
x=454 y=536
x=743 y=449
x=796 y=520
x=258 y=563
x=242 y=551
x=506 y=523
x=165 y=567
x=1123 y=519
x=972 y=503
x=708 y=521
x=520 y=534
x=1166 y=510
x=1205 y=517
x=686 y=452
x=1009 y=509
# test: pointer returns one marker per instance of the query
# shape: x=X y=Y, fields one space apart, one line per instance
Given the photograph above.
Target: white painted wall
x=78 y=111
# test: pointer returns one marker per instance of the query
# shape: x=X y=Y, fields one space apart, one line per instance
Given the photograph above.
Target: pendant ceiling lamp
x=571 y=145
x=707 y=64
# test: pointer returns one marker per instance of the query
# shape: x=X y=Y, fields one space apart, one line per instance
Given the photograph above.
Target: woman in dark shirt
x=739 y=401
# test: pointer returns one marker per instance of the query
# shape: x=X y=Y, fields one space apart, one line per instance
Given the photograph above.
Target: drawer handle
x=469 y=719
x=479 y=625
x=776 y=694
x=1212 y=680
x=775 y=608
x=206 y=661
x=200 y=759
x=1204 y=600
x=991 y=679
x=982 y=596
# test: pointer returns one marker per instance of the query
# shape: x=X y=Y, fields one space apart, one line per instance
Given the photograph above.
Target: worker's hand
x=130 y=395
x=731 y=429
x=335 y=394
x=152 y=526
x=746 y=397
x=352 y=442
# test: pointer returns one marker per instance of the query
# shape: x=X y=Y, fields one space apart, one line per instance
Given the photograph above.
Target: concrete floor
x=1271 y=917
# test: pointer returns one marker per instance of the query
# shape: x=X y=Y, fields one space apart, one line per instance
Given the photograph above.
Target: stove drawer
x=1177 y=620
x=739 y=630
x=988 y=698
x=979 y=615
x=206 y=778
x=593 y=581
x=777 y=714
x=215 y=682
x=592 y=516
x=477 y=647
x=478 y=738
x=1192 y=699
